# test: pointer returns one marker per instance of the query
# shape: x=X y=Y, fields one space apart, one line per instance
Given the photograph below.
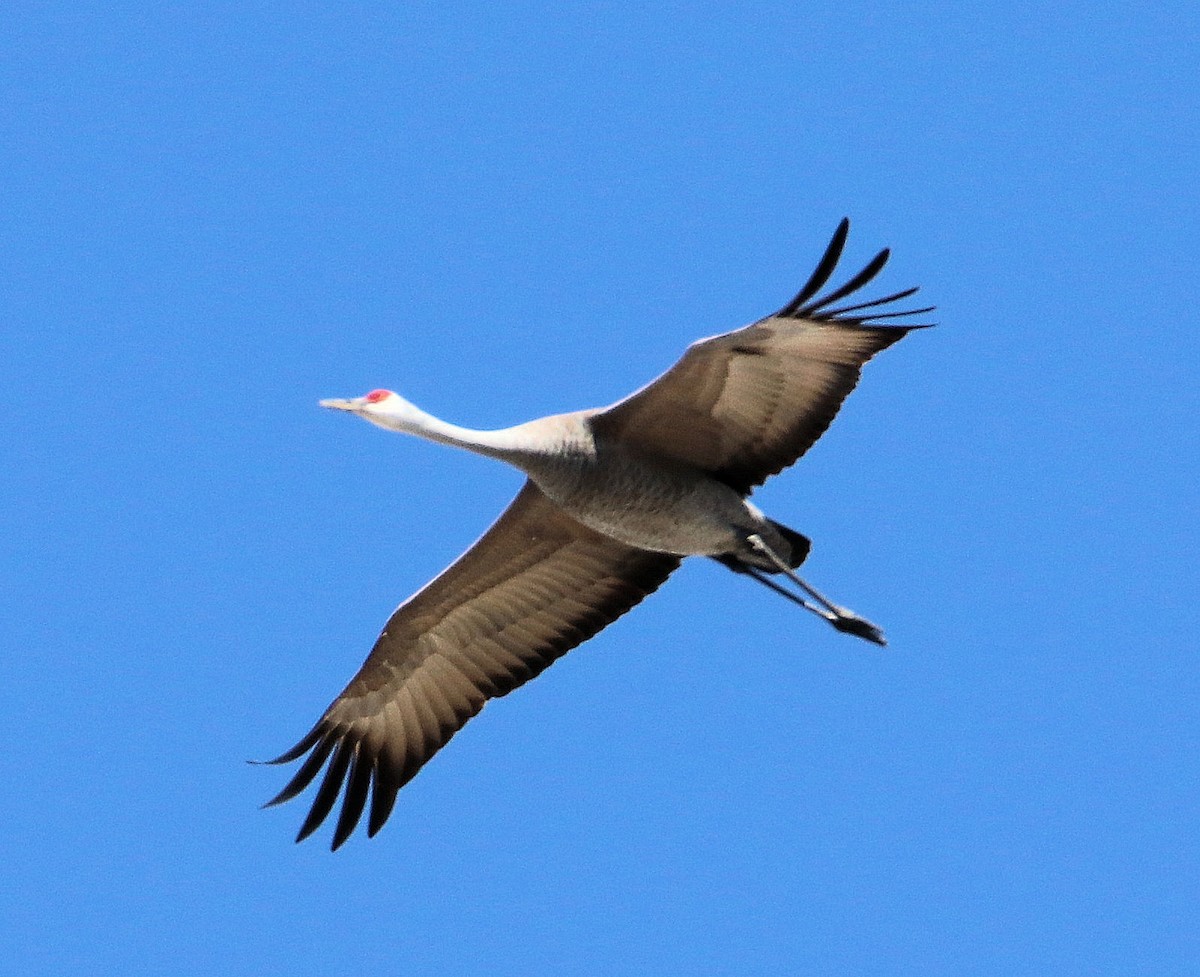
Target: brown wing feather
x=745 y=405
x=533 y=587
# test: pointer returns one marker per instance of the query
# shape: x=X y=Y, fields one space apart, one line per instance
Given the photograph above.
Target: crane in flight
x=614 y=499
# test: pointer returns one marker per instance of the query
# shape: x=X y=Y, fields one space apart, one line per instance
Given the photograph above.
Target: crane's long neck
x=518 y=445
x=491 y=443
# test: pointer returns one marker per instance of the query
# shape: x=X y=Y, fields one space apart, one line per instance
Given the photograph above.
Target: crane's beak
x=336 y=404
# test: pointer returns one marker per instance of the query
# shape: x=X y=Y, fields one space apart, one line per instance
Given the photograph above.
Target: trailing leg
x=841 y=618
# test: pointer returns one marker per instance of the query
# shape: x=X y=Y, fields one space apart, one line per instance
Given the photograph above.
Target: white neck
x=431 y=428
x=515 y=445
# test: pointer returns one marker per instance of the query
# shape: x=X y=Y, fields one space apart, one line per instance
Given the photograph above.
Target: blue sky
x=212 y=217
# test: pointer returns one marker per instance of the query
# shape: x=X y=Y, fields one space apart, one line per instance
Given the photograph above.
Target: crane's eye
x=375 y=396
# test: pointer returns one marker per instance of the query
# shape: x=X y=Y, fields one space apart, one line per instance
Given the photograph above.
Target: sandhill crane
x=613 y=501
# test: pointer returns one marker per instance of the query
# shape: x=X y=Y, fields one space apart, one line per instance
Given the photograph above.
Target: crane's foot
x=848 y=622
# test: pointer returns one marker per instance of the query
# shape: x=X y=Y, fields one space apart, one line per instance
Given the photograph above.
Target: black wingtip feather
x=825 y=267
x=358 y=784
x=297 y=751
x=897 y=315
x=383 y=796
x=894 y=297
x=304 y=775
x=328 y=791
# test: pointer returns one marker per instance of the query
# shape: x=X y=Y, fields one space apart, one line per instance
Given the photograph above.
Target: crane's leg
x=842 y=618
x=766 y=581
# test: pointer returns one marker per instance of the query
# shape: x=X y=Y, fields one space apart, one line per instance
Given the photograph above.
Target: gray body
x=650 y=503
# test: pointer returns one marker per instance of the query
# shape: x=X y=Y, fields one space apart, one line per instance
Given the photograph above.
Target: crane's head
x=384 y=408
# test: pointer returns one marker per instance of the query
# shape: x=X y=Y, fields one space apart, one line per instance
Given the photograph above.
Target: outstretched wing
x=745 y=405
x=533 y=587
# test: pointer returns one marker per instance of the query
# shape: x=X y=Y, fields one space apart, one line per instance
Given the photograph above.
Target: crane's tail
x=799 y=544
x=797 y=552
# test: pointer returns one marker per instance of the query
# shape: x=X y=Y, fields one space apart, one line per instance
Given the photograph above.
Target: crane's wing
x=745 y=405
x=532 y=587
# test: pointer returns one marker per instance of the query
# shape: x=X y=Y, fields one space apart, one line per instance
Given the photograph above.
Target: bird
x=614 y=499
